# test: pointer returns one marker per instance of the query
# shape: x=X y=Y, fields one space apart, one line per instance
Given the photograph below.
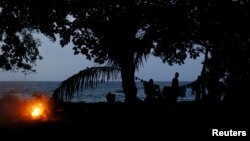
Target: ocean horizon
x=25 y=89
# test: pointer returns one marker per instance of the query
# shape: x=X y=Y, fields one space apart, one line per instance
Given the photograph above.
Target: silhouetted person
x=149 y=88
x=110 y=97
x=175 y=87
x=198 y=88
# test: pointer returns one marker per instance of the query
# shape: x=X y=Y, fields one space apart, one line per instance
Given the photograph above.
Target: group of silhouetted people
x=171 y=94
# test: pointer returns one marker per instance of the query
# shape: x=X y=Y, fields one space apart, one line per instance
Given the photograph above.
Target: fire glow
x=37 y=109
x=17 y=109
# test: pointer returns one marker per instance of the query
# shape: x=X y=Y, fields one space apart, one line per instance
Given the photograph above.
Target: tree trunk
x=128 y=77
x=214 y=87
x=203 y=76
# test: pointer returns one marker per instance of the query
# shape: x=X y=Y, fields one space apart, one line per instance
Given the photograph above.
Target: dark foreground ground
x=151 y=121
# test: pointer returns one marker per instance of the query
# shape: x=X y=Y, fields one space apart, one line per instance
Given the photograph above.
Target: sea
x=25 y=89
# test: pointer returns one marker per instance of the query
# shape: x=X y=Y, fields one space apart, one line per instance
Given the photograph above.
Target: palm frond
x=139 y=59
x=85 y=79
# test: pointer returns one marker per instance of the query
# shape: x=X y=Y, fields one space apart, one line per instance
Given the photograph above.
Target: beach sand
x=115 y=121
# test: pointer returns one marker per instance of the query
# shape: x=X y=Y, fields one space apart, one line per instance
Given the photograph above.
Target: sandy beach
x=105 y=120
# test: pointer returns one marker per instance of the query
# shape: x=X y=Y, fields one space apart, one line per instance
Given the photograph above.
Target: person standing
x=175 y=87
x=198 y=88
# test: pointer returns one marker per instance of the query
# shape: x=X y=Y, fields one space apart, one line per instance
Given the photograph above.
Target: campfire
x=37 y=111
x=37 y=108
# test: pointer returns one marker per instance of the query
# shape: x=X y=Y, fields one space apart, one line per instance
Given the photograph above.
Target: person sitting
x=110 y=97
x=151 y=90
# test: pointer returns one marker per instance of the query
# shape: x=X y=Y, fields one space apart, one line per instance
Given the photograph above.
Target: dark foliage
x=122 y=33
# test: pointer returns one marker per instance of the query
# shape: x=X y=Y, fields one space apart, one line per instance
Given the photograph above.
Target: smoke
x=14 y=108
x=10 y=108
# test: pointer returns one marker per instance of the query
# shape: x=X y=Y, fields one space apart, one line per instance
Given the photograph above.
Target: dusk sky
x=60 y=63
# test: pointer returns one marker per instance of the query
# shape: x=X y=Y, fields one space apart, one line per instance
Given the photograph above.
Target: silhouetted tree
x=224 y=32
x=124 y=32
x=20 y=21
x=121 y=33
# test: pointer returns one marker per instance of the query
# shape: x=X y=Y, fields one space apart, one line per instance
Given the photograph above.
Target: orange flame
x=35 y=108
x=37 y=111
